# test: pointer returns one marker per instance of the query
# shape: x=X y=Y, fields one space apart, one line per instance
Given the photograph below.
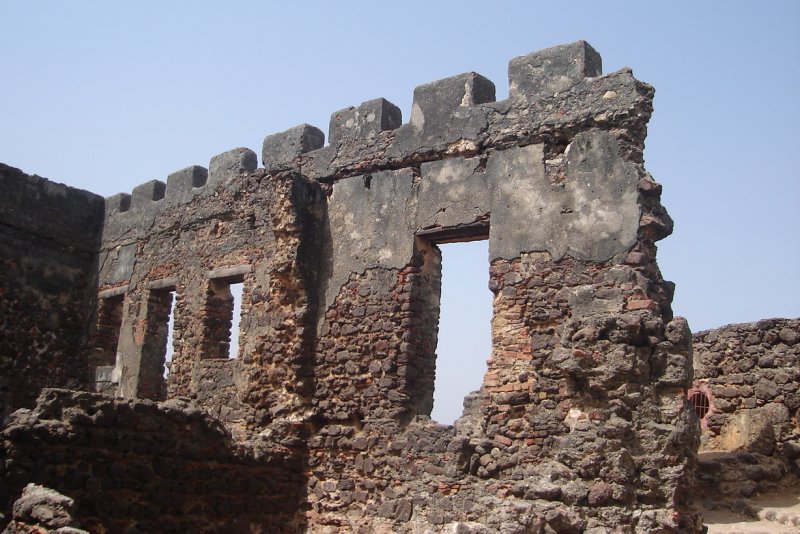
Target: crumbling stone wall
x=138 y=466
x=582 y=422
x=585 y=391
x=48 y=244
x=235 y=224
x=750 y=375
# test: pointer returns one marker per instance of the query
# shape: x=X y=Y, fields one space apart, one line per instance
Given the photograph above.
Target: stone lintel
x=163 y=283
x=229 y=272
x=112 y=292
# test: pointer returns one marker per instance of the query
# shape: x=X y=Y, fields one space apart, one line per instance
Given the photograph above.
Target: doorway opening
x=465 y=317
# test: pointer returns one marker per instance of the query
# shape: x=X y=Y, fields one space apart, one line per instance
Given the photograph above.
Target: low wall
x=746 y=392
x=166 y=467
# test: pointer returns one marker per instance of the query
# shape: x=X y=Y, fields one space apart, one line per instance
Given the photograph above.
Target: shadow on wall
x=49 y=236
x=164 y=467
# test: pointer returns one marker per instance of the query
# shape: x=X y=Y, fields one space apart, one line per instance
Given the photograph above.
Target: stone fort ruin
x=321 y=422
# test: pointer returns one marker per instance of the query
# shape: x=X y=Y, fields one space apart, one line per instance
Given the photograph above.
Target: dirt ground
x=774 y=513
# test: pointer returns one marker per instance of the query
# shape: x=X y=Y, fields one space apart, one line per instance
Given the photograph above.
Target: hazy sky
x=106 y=95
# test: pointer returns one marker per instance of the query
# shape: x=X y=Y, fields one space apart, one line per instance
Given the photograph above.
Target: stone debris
x=42 y=510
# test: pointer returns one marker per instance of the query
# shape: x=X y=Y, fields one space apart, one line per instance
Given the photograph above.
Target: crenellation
x=144 y=195
x=280 y=151
x=616 y=102
x=438 y=103
x=119 y=203
x=229 y=165
x=548 y=72
x=355 y=124
x=184 y=184
x=450 y=117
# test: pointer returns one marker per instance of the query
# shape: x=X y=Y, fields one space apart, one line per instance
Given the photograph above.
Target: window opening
x=170 y=348
x=157 y=348
x=236 y=293
x=222 y=317
x=109 y=324
x=700 y=403
x=464 y=342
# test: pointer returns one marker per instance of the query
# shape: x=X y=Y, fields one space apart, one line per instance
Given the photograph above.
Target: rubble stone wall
x=138 y=466
x=248 y=230
x=750 y=375
x=49 y=235
x=748 y=369
x=582 y=422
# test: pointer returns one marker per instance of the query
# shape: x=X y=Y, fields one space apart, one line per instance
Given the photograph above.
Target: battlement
x=451 y=117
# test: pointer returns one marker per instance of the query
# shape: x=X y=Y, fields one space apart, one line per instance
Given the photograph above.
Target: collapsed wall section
x=49 y=235
x=138 y=466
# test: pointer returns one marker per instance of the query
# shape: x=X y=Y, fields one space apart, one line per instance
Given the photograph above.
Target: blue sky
x=104 y=96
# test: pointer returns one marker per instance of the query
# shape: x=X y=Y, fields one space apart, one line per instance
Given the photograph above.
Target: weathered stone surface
x=586 y=214
x=548 y=72
x=230 y=165
x=45 y=209
x=281 y=150
x=320 y=420
x=454 y=193
x=749 y=374
x=182 y=185
x=166 y=467
x=118 y=264
x=42 y=507
x=48 y=243
x=363 y=122
x=371 y=225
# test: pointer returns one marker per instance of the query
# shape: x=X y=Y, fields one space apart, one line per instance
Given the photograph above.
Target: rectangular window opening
x=222 y=317
x=464 y=339
x=236 y=293
x=169 y=350
x=109 y=323
x=158 y=348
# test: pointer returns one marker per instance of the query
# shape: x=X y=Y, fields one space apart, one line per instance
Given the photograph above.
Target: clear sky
x=106 y=95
